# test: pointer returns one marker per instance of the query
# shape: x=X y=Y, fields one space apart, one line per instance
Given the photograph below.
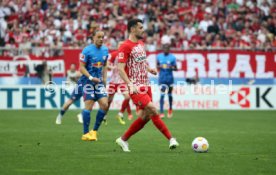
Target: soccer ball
x=200 y=145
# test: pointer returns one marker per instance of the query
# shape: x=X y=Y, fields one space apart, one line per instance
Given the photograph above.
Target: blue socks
x=62 y=112
x=170 y=100
x=99 y=118
x=86 y=120
x=162 y=103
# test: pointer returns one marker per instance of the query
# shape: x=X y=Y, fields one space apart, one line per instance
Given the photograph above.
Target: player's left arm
x=151 y=70
x=104 y=75
x=158 y=63
x=173 y=66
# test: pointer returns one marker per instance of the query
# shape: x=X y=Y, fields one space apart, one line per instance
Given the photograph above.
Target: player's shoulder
x=172 y=56
x=125 y=46
x=160 y=55
x=87 y=49
x=141 y=42
x=126 y=43
x=104 y=48
x=114 y=53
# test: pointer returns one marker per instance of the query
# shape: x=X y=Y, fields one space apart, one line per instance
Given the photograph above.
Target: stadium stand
x=202 y=24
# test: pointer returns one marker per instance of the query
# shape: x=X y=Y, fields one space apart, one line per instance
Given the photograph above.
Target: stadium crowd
x=194 y=24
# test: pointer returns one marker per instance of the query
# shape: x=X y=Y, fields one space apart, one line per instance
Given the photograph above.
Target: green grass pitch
x=241 y=142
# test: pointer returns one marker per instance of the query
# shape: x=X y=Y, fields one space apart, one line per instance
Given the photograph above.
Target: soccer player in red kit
x=133 y=69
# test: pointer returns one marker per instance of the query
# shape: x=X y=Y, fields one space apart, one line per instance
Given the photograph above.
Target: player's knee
x=104 y=106
x=89 y=108
x=170 y=90
x=151 y=109
x=163 y=90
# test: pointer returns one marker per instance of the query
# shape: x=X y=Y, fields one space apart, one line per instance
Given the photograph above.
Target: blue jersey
x=165 y=63
x=95 y=59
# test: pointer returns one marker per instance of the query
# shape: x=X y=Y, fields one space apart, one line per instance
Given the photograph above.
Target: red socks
x=128 y=109
x=124 y=105
x=161 y=126
x=138 y=124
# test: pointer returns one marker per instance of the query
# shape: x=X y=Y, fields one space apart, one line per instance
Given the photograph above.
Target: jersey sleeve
x=173 y=60
x=113 y=56
x=84 y=55
x=158 y=59
x=123 y=53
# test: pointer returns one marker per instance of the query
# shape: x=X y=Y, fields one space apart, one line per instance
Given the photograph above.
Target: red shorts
x=114 y=88
x=142 y=98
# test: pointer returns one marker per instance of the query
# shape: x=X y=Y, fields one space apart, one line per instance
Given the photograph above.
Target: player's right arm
x=83 y=70
x=123 y=55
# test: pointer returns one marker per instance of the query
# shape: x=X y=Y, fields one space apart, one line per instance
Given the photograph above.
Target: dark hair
x=132 y=23
x=95 y=32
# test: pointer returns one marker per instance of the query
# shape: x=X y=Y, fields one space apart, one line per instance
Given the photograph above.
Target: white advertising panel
x=198 y=97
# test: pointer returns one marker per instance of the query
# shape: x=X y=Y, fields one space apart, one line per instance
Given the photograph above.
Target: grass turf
x=241 y=142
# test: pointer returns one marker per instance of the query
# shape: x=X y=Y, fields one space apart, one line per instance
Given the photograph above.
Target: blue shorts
x=77 y=93
x=168 y=81
x=94 y=92
x=165 y=86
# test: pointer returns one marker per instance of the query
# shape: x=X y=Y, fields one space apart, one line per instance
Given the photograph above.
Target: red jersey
x=134 y=55
x=115 y=77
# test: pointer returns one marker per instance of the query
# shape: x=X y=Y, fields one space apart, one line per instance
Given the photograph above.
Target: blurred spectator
x=25 y=46
x=190 y=31
x=56 y=47
x=72 y=74
x=3 y=28
x=150 y=45
x=193 y=80
x=23 y=70
x=41 y=23
x=43 y=72
x=205 y=23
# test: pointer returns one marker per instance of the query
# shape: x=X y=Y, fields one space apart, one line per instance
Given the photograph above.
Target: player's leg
x=140 y=100
x=129 y=113
x=88 y=104
x=110 y=100
x=122 y=88
x=63 y=110
x=160 y=125
x=124 y=106
x=103 y=104
x=100 y=95
x=75 y=96
x=163 y=88
x=78 y=97
x=136 y=126
x=170 y=111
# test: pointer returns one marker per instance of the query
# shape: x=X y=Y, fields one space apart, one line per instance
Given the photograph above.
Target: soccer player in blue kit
x=93 y=67
x=166 y=64
x=75 y=96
